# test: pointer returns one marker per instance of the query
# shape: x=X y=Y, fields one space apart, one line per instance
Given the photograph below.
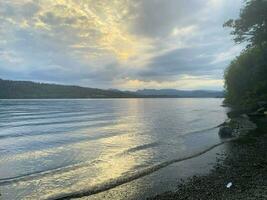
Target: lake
x=56 y=148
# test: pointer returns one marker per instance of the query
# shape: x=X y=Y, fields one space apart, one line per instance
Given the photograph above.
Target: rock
x=261 y=110
x=225 y=132
x=245 y=116
x=262 y=103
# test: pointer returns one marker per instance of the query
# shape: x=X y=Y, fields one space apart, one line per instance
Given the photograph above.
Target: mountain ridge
x=10 y=89
x=181 y=93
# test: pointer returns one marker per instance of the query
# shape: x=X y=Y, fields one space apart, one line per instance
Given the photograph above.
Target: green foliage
x=251 y=27
x=246 y=77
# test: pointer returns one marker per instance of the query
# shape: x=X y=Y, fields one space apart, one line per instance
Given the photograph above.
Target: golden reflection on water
x=109 y=164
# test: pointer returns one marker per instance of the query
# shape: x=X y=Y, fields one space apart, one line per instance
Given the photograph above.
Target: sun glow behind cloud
x=97 y=25
x=126 y=44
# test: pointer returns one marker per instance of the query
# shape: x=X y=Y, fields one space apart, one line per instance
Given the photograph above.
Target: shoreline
x=244 y=165
x=162 y=180
x=243 y=126
x=146 y=172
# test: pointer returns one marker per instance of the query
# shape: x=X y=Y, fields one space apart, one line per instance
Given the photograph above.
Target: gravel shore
x=244 y=165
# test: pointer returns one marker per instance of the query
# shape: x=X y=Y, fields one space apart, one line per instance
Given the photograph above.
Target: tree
x=251 y=27
x=246 y=76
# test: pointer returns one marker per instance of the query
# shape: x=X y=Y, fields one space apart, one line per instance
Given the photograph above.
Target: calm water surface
x=54 y=147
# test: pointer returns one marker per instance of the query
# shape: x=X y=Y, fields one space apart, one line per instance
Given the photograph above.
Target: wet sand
x=244 y=165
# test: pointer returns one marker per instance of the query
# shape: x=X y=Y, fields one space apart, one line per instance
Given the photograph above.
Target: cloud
x=228 y=55
x=183 y=82
x=117 y=43
x=184 y=31
x=158 y=18
x=197 y=61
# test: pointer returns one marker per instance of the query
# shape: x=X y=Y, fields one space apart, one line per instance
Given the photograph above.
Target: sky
x=120 y=44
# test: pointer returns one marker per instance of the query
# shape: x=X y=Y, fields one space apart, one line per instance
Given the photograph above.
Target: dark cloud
x=54 y=20
x=26 y=10
x=158 y=18
x=191 y=61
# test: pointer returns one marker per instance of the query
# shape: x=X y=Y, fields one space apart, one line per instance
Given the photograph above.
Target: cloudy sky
x=124 y=44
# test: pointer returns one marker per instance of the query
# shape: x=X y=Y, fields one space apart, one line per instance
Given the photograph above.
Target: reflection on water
x=52 y=147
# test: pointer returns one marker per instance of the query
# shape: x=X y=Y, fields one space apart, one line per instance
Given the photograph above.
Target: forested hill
x=31 y=90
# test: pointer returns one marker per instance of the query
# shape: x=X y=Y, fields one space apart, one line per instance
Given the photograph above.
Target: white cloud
x=185 y=82
x=184 y=31
x=227 y=55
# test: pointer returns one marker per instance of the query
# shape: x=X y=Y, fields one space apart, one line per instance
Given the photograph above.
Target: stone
x=225 y=132
x=261 y=110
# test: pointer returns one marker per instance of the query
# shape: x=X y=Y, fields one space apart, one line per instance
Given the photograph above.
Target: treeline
x=246 y=76
x=31 y=90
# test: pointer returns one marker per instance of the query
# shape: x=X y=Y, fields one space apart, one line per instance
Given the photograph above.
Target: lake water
x=55 y=148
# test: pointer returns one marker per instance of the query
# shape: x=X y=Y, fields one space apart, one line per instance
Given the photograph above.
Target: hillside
x=32 y=90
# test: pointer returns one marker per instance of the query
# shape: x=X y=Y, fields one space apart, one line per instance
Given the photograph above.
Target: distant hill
x=180 y=93
x=32 y=90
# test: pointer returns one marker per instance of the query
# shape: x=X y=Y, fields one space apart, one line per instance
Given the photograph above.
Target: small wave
x=139 y=148
x=43 y=173
x=92 y=124
x=16 y=135
x=23 y=113
x=128 y=178
x=69 y=126
x=200 y=131
x=50 y=123
x=41 y=117
x=40 y=152
x=55 y=116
